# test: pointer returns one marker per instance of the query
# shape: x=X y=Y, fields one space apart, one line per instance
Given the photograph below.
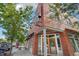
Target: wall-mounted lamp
x=39 y=16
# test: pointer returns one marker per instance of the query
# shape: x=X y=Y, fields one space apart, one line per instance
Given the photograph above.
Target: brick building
x=51 y=37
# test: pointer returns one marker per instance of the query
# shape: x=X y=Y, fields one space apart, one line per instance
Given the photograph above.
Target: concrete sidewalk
x=22 y=52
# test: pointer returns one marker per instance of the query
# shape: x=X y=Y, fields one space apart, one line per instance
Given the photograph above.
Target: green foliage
x=63 y=10
x=14 y=21
x=3 y=40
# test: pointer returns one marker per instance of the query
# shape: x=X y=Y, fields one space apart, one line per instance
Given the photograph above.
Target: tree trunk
x=11 y=48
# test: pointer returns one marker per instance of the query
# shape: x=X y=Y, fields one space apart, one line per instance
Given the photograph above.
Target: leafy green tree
x=1 y=40
x=14 y=21
x=65 y=10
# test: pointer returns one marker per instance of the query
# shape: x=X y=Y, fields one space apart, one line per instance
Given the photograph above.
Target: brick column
x=35 y=45
x=66 y=45
x=49 y=48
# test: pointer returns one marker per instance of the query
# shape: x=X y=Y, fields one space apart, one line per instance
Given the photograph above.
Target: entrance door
x=53 y=45
x=51 y=48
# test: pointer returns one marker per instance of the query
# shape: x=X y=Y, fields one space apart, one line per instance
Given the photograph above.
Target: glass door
x=53 y=44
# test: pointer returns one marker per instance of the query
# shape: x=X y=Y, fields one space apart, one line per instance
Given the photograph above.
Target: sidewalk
x=22 y=53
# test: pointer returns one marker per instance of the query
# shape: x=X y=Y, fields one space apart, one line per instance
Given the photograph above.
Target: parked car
x=5 y=48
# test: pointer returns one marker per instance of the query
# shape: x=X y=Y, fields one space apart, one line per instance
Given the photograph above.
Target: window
x=74 y=41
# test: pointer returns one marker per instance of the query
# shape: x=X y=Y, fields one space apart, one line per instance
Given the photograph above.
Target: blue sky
x=77 y=16
x=1 y=34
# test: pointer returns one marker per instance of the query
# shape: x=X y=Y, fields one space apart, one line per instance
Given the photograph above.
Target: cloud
x=23 y=5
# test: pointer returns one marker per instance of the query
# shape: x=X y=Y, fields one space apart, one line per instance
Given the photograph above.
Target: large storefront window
x=77 y=41
x=74 y=41
x=51 y=44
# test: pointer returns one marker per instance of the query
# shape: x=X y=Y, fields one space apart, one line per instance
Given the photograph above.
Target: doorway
x=53 y=45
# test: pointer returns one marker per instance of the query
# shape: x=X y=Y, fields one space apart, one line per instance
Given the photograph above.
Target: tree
x=14 y=21
x=65 y=10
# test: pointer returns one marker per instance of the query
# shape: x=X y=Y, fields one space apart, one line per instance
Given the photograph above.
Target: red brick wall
x=35 y=45
x=66 y=45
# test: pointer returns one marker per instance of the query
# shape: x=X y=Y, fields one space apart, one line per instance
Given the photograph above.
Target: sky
x=1 y=34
